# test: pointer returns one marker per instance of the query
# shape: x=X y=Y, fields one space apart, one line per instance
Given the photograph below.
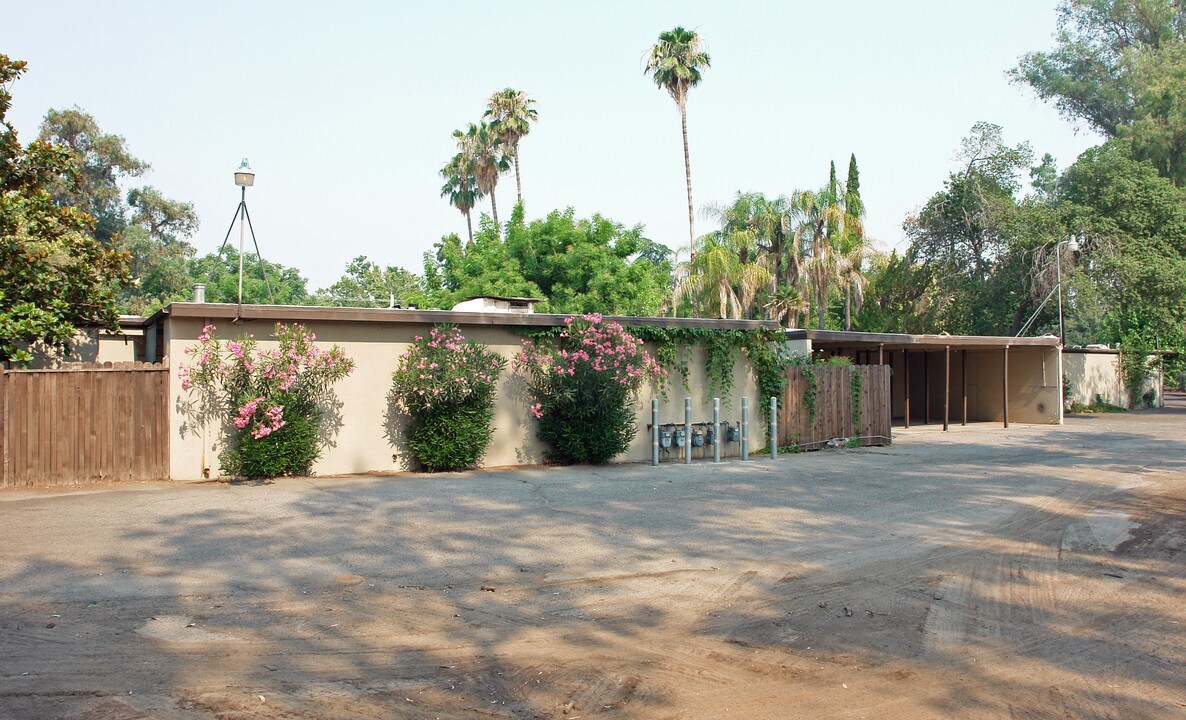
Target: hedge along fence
x=835 y=401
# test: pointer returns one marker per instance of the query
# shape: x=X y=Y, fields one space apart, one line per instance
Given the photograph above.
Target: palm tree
x=512 y=112
x=850 y=262
x=675 y=63
x=819 y=211
x=769 y=223
x=716 y=276
x=461 y=187
x=485 y=150
x=787 y=302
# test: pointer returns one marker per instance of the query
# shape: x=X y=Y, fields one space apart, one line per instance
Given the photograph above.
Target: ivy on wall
x=763 y=348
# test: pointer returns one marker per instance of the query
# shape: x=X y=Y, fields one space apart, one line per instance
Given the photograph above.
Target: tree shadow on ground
x=622 y=591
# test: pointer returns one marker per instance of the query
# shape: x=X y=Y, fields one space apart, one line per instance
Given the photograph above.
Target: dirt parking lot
x=1031 y=573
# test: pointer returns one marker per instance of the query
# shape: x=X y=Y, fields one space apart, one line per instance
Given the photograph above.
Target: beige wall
x=1098 y=373
x=91 y=345
x=367 y=440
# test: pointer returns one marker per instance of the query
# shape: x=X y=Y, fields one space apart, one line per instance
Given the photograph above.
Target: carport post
x=926 y=388
x=881 y=354
x=906 y=384
x=654 y=432
x=964 y=376
x=1005 y=386
x=687 y=431
x=716 y=429
x=946 y=386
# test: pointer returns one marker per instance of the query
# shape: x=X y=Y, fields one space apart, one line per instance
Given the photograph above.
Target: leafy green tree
x=456 y=272
x=898 y=296
x=586 y=265
x=851 y=247
x=220 y=273
x=962 y=232
x=156 y=240
x=1158 y=129
x=1132 y=228
x=102 y=160
x=54 y=275
x=511 y=113
x=1120 y=67
x=365 y=284
x=1088 y=75
x=676 y=64
x=1044 y=177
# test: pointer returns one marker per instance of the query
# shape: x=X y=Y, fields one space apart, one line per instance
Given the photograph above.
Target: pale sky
x=345 y=110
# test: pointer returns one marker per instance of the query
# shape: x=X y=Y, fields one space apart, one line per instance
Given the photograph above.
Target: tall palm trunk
x=848 y=307
x=494 y=209
x=683 y=121
x=821 y=290
x=469 y=225
x=518 y=183
x=821 y=295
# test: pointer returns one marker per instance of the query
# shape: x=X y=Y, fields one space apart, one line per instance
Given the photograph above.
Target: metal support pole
x=964 y=380
x=1005 y=386
x=745 y=428
x=926 y=386
x=773 y=428
x=654 y=432
x=687 y=431
x=1062 y=336
x=242 y=237
x=906 y=382
x=716 y=429
x=946 y=386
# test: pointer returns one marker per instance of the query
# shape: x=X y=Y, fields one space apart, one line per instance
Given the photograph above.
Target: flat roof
x=308 y=314
x=904 y=341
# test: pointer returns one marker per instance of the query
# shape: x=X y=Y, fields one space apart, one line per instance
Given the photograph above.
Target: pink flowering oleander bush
x=445 y=386
x=271 y=399
x=583 y=384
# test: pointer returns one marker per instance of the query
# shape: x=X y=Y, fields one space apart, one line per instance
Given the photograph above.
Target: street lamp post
x=1072 y=244
x=245 y=178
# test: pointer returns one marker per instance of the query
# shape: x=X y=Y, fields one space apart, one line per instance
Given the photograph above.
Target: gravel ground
x=1030 y=573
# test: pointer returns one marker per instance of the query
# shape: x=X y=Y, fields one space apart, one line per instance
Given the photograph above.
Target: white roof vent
x=495 y=304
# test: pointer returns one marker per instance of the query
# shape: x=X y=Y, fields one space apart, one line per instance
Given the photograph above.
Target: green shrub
x=445 y=386
x=584 y=385
x=291 y=450
x=268 y=400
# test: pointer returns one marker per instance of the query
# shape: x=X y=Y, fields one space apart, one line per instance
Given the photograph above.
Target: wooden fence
x=84 y=423
x=836 y=414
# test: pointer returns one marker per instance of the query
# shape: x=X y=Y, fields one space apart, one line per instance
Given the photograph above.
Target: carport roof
x=903 y=341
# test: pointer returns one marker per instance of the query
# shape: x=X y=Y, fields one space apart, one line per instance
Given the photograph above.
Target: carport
x=954 y=378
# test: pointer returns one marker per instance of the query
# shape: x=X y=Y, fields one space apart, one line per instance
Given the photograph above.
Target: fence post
x=773 y=428
x=716 y=429
x=654 y=432
x=687 y=431
x=745 y=428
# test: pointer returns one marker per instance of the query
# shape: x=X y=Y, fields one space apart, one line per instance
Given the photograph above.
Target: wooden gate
x=837 y=414
x=84 y=423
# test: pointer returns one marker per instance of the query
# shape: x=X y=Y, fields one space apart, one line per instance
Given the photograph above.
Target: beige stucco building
x=365 y=438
